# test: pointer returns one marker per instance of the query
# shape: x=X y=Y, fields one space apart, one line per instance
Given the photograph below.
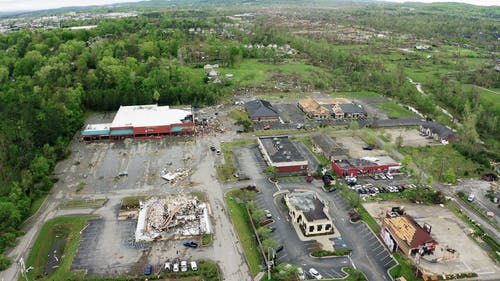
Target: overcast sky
x=22 y=5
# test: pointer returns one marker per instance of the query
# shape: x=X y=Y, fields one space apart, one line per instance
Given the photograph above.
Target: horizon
x=34 y=5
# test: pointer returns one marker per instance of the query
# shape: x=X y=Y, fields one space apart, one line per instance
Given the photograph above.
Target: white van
x=184 y=266
x=194 y=266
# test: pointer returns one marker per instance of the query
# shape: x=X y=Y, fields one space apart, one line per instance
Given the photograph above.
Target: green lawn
x=253 y=72
x=437 y=159
x=241 y=222
x=36 y=204
x=359 y=95
x=405 y=268
x=68 y=227
x=394 y=110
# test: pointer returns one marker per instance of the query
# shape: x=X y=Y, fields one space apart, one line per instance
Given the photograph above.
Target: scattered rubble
x=176 y=175
x=161 y=218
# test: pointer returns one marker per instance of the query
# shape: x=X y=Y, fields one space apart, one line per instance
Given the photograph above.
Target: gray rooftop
x=329 y=146
x=350 y=108
x=439 y=129
x=309 y=204
x=281 y=149
x=260 y=109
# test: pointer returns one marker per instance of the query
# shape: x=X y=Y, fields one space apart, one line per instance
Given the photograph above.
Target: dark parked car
x=327 y=179
x=148 y=270
x=280 y=248
x=191 y=244
x=369 y=147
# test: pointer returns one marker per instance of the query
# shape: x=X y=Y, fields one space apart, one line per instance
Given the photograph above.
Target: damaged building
x=171 y=216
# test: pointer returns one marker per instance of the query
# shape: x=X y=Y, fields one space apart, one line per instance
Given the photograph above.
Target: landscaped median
x=243 y=225
x=62 y=234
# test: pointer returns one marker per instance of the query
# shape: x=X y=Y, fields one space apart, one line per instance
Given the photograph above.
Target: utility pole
x=270 y=261
x=23 y=268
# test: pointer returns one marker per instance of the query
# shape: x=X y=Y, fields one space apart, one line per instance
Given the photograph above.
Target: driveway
x=368 y=253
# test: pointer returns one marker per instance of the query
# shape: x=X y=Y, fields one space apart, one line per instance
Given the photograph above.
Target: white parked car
x=268 y=214
x=168 y=266
x=389 y=176
x=194 y=266
x=184 y=266
x=175 y=267
x=315 y=274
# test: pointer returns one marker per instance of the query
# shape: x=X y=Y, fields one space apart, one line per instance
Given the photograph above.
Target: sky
x=30 y=5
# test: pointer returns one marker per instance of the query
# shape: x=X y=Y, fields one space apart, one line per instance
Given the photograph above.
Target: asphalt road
x=368 y=255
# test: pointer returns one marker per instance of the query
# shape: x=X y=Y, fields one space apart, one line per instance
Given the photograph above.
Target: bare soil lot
x=449 y=232
x=411 y=136
x=355 y=146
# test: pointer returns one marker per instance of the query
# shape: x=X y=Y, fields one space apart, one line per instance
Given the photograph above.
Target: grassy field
x=394 y=110
x=36 y=204
x=241 y=222
x=353 y=95
x=83 y=203
x=253 y=72
x=439 y=158
x=68 y=228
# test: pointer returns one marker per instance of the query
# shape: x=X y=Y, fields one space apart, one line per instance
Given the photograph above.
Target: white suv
x=314 y=273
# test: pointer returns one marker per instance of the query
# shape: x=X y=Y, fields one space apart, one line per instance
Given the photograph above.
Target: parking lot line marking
x=381 y=252
x=387 y=263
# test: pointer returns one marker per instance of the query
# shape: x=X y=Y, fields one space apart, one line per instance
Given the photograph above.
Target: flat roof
x=281 y=149
x=309 y=204
x=148 y=115
x=366 y=162
x=98 y=127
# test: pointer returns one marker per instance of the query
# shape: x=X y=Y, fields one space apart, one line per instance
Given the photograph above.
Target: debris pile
x=174 y=215
x=175 y=175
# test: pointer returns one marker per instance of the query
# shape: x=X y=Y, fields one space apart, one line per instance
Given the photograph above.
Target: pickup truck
x=191 y=244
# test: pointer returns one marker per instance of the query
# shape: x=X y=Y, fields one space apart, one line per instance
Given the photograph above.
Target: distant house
x=330 y=108
x=353 y=111
x=438 y=132
x=328 y=147
x=403 y=233
x=261 y=110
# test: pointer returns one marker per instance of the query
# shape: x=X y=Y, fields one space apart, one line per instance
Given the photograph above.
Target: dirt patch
x=355 y=146
x=411 y=136
x=450 y=233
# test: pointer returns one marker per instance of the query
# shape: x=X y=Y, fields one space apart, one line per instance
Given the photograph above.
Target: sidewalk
x=325 y=240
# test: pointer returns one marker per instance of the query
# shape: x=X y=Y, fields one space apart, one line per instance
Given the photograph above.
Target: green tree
x=263 y=232
x=449 y=176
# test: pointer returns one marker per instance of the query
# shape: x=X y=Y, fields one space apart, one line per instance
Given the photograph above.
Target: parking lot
x=114 y=170
x=295 y=251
